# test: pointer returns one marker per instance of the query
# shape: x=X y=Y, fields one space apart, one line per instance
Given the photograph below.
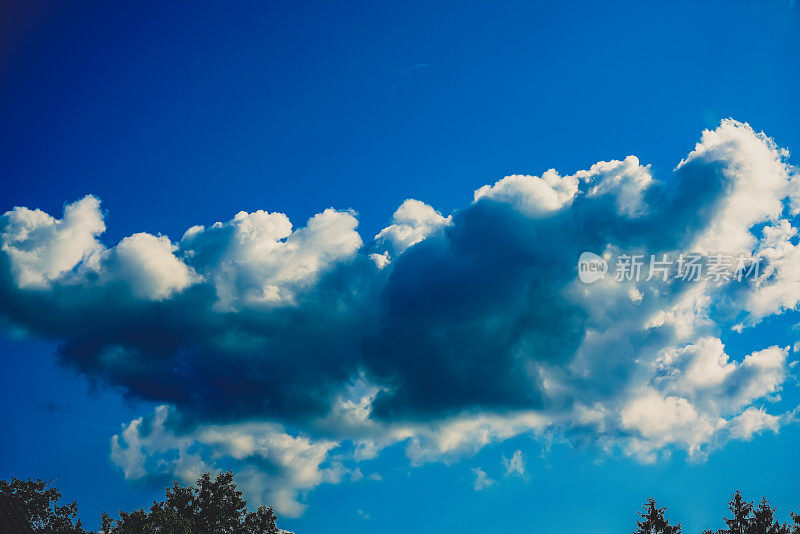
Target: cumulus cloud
x=660 y=420
x=778 y=286
x=257 y=259
x=411 y=223
x=703 y=370
x=757 y=181
x=147 y=264
x=445 y=332
x=41 y=248
x=531 y=194
x=625 y=180
x=752 y=421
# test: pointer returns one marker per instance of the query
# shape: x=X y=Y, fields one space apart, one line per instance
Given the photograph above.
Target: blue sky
x=175 y=116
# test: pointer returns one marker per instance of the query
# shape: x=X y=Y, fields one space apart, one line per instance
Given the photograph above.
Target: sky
x=324 y=246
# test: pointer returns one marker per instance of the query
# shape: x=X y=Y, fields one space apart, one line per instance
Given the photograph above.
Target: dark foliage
x=37 y=502
x=745 y=518
x=212 y=506
x=654 y=522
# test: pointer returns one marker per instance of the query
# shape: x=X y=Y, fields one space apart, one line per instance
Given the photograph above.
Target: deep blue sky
x=184 y=114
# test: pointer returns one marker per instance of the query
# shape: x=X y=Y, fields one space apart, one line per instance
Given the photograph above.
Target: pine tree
x=763 y=521
x=654 y=522
x=742 y=515
x=794 y=527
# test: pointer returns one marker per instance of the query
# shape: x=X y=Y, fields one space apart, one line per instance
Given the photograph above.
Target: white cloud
x=257 y=259
x=466 y=435
x=701 y=365
x=777 y=287
x=531 y=194
x=42 y=248
x=624 y=180
x=411 y=223
x=147 y=264
x=696 y=398
x=381 y=260
x=761 y=374
x=515 y=465
x=661 y=420
x=757 y=179
x=272 y=467
x=753 y=421
x=482 y=480
x=254 y=259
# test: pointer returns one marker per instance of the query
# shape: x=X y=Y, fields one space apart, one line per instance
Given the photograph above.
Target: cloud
x=482 y=480
x=757 y=180
x=515 y=466
x=446 y=333
x=625 y=180
x=272 y=466
x=41 y=248
x=256 y=259
x=411 y=223
x=464 y=435
x=753 y=421
x=531 y=194
x=147 y=264
x=659 y=420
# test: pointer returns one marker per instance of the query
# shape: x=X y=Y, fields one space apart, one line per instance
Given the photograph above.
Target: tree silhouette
x=220 y=506
x=763 y=520
x=741 y=511
x=262 y=521
x=747 y=519
x=795 y=528
x=653 y=521
x=37 y=502
x=212 y=506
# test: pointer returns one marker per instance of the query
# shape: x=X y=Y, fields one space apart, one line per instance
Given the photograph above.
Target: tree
x=136 y=522
x=262 y=521
x=795 y=527
x=212 y=506
x=176 y=514
x=653 y=521
x=763 y=521
x=37 y=501
x=220 y=506
x=741 y=511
